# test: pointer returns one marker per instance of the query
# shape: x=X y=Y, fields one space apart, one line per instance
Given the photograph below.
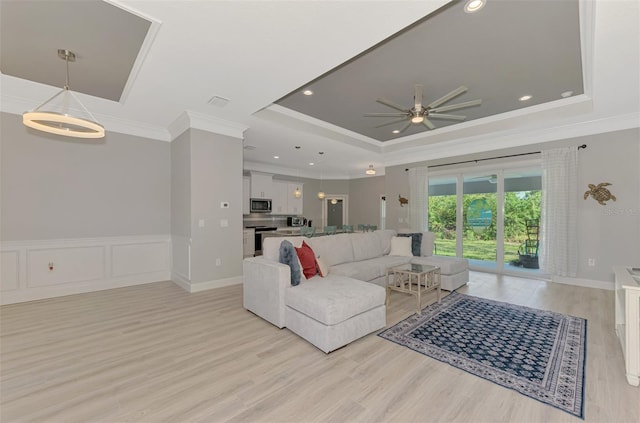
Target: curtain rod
x=493 y=158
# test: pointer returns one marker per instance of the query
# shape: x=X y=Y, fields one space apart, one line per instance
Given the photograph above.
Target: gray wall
x=397 y=184
x=54 y=187
x=181 y=185
x=609 y=234
x=216 y=176
x=364 y=200
x=312 y=205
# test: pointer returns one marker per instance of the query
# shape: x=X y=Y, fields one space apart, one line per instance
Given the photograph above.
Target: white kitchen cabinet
x=246 y=195
x=261 y=185
x=627 y=309
x=248 y=242
x=294 y=205
x=280 y=198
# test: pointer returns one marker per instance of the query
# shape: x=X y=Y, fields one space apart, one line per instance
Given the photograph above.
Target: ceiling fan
x=422 y=114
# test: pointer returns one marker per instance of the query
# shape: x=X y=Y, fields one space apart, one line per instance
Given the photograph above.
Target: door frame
x=345 y=207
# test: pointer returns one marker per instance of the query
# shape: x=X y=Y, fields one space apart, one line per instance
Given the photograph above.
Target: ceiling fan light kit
x=54 y=115
x=370 y=171
x=419 y=114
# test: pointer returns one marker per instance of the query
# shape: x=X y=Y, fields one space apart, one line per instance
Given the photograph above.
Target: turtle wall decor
x=402 y=200
x=600 y=193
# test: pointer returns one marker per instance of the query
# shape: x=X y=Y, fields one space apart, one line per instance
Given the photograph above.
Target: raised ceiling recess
x=105 y=38
x=500 y=53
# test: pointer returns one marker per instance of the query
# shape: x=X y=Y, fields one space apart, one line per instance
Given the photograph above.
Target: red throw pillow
x=307 y=260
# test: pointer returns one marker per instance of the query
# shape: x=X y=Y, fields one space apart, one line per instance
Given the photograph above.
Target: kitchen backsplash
x=259 y=219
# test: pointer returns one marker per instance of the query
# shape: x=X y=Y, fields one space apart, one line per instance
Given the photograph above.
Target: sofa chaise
x=348 y=302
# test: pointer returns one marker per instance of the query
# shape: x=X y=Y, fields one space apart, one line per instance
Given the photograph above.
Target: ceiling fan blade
x=392 y=105
x=384 y=114
x=404 y=128
x=461 y=89
x=417 y=97
x=390 y=123
x=443 y=116
x=426 y=122
x=457 y=106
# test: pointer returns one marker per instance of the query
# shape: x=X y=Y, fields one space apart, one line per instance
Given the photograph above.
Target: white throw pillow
x=322 y=266
x=401 y=246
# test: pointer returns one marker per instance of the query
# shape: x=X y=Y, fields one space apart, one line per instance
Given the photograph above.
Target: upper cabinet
x=279 y=203
x=261 y=185
x=281 y=194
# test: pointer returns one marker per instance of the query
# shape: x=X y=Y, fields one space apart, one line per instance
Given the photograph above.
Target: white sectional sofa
x=349 y=302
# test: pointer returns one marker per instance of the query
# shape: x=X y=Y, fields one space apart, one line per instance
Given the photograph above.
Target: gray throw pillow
x=416 y=242
x=289 y=257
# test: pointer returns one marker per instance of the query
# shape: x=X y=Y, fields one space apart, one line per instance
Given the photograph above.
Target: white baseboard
x=203 y=286
x=33 y=270
x=587 y=283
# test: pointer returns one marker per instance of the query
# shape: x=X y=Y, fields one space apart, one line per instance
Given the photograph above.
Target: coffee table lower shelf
x=414 y=279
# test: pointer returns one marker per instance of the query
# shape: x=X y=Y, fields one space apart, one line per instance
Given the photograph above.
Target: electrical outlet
x=591 y=262
x=218 y=262
x=224 y=223
x=201 y=223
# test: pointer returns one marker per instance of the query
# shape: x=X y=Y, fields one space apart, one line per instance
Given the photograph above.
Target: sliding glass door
x=522 y=194
x=443 y=214
x=479 y=207
x=490 y=218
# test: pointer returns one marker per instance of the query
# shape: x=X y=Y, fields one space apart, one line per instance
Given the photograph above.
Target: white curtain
x=418 y=199
x=558 y=253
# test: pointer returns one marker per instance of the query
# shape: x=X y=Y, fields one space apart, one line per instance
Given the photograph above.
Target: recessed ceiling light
x=567 y=94
x=311 y=164
x=473 y=6
x=276 y=157
x=525 y=98
x=396 y=131
x=307 y=92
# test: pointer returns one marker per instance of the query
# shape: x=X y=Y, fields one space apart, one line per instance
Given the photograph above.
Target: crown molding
x=195 y=120
x=512 y=138
x=301 y=122
x=286 y=171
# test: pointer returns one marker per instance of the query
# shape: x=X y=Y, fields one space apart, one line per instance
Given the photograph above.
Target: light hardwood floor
x=157 y=353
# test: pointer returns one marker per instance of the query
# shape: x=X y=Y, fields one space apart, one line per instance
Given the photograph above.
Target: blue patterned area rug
x=540 y=354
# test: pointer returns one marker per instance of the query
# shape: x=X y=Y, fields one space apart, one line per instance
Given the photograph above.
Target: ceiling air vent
x=218 y=101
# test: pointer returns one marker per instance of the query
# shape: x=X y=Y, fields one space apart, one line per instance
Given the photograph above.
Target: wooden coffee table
x=414 y=279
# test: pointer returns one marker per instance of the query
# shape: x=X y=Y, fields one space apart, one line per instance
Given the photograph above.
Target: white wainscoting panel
x=135 y=259
x=9 y=270
x=55 y=266
x=81 y=265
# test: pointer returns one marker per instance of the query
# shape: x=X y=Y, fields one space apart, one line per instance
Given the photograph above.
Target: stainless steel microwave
x=260 y=205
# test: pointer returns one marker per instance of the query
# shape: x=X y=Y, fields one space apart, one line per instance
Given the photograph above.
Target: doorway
x=335 y=210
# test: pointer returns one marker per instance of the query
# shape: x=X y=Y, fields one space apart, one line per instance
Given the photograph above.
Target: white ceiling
x=254 y=53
